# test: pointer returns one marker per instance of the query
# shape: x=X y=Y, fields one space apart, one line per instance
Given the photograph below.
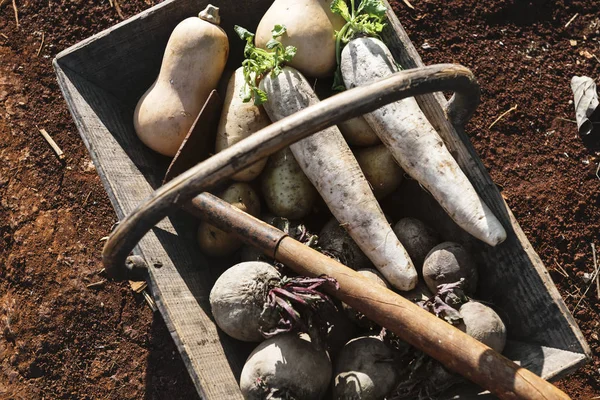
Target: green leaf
x=260 y=97
x=289 y=53
x=259 y=62
x=373 y=8
x=340 y=7
x=243 y=33
x=338 y=81
x=278 y=31
x=272 y=44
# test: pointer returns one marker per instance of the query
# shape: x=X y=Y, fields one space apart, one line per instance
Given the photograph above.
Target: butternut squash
x=311 y=27
x=192 y=65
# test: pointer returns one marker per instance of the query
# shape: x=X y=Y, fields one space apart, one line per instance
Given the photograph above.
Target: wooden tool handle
x=452 y=347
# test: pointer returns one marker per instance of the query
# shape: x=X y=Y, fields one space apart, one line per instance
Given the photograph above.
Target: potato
x=358 y=132
x=238 y=121
x=213 y=241
x=334 y=239
x=380 y=169
x=365 y=370
x=237 y=299
x=417 y=238
x=286 y=190
x=483 y=324
x=448 y=262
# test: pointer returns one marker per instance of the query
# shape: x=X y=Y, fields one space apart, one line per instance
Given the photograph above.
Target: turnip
x=365 y=370
x=404 y=129
x=237 y=299
x=239 y=120
x=287 y=191
x=381 y=170
x=358 y=132
x=335 y=241
x=213 y=241
x=328 y=162
x=482 y=323
x=423 y=378
x=448 y=262
x=251 y=301
x=286 y=367
x=193 y=62
x=417 y=238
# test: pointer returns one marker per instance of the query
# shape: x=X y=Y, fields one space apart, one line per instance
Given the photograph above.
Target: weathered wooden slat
x=180 y=276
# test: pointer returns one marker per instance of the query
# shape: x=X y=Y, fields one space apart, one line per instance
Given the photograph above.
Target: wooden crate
x=103 y=77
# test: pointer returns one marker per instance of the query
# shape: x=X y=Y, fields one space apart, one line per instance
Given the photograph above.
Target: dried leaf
x=586 y=108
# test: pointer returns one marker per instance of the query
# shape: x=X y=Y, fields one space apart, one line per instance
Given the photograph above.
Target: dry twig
x=571 y=20
x=138 y=286
x=150 y=300
x=41 y=45
x=561 y=270
x=503 y=115
x=596 y=271
x=52 y=143
x=14 y=4
x=118 y=8
x=568 y=120
x=408 y=4
x=594 y=278
x=86 y=199
x=96 y=284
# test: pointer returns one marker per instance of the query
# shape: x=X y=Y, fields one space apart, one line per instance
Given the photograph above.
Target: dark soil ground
x=61 y=339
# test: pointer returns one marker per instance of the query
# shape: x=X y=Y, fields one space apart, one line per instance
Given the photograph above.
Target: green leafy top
x=365 y=20
x=259 y=62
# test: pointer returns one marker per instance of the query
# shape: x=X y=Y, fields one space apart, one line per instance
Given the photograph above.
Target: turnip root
x=482 y=323
x=287 y=191
x=365 y=370
x=448 y=262
x=239 y=120
x=217 y=243
x=417 y=238
x=238 y=296
x=328 y=162
x=381 y=170
x=251 y=300
x=336 y=242
x=358 y=133
x=286 y=367
x=405 y=130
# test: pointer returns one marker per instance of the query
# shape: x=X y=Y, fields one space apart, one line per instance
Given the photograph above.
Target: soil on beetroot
x=61 y=339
